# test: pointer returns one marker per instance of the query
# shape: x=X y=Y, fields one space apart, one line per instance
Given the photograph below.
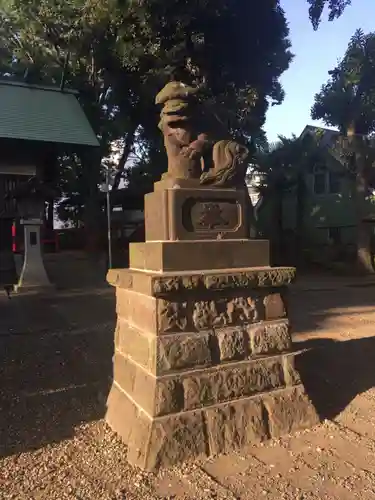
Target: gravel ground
x=55 y=373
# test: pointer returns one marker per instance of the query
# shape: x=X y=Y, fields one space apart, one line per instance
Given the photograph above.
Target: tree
x=347 y=101
x=284 y=167
x=53 y=43
x=335 y=7
x=118 y=54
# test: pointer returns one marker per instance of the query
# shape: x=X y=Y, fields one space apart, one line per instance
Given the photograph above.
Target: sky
x=316 y=52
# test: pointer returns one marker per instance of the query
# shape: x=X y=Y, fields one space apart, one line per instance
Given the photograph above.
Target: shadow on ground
x=55 y=365
x=311 y=310
x=335 y=372
x=335 y=327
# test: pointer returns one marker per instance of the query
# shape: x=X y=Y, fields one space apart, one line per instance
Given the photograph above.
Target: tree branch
x=129 y=141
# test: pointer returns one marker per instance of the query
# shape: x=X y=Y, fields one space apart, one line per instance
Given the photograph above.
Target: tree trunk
x=92 y=214
x=129 y=141
x=300 y=216
x=50 y=215
x=277 y=227
x=364 y=255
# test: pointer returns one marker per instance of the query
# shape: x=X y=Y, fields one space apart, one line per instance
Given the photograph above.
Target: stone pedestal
x=33 y=275
x=203 y=358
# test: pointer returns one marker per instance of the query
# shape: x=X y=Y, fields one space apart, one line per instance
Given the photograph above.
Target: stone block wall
x=203 y=364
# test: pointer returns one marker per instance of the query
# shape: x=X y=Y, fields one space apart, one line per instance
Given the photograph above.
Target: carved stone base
x=203 y=363
x=223 y=428
x=164 y=256
x=195 y=214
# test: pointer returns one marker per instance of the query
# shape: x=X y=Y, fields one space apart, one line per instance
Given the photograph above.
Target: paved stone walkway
x=55 y=369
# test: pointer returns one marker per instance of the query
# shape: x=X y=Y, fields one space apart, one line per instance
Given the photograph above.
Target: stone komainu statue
x=192 y=153
x=229 y=165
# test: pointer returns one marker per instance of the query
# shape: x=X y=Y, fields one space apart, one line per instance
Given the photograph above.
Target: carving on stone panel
x=241 y=309
x=224 y=281
x=276 y=277
x=172 y=316
x=191 y=282
x=256 y=279
x=204 y=314
x=175 y=283
x=211 y=216
x=165 y=285
x=226 y=312
x=204 y=214
x=253 y=279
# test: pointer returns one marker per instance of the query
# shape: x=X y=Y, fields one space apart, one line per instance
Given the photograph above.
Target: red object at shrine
x=50 y=238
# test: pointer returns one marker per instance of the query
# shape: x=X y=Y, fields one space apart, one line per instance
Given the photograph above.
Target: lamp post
x=30 y=198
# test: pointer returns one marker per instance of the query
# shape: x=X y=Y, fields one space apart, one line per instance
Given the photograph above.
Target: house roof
x=43 y=114
x=327 y=135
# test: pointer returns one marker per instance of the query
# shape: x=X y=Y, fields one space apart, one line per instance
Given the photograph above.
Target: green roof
x=43 y=114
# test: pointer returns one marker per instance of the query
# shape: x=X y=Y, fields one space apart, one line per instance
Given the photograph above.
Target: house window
x=320 y=181
x=326 y=182
x=334 y=183
x=334 y=235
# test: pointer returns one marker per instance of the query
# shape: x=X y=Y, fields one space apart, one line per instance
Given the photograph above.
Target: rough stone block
x=270 y=338
x=121 y=412
x=289 y=410
x=232 y=344
x=166 y=441
x=169 y=397
x=137 y=309
x=139 y=346
x=155 y=395
x=178 y=352
x=124 y=372
x=291 y=374
x=274 y=307
x=165 y=353
x=232 y=426
x=172 y=316
x=237 y=380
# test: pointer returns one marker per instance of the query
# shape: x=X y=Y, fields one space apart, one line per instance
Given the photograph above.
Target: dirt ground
x=55 y=370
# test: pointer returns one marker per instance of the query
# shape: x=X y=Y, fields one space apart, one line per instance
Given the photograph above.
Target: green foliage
x=284 y=167
x=347 y=100
x=286 y=158
x=118 y=54
x=335 y=8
